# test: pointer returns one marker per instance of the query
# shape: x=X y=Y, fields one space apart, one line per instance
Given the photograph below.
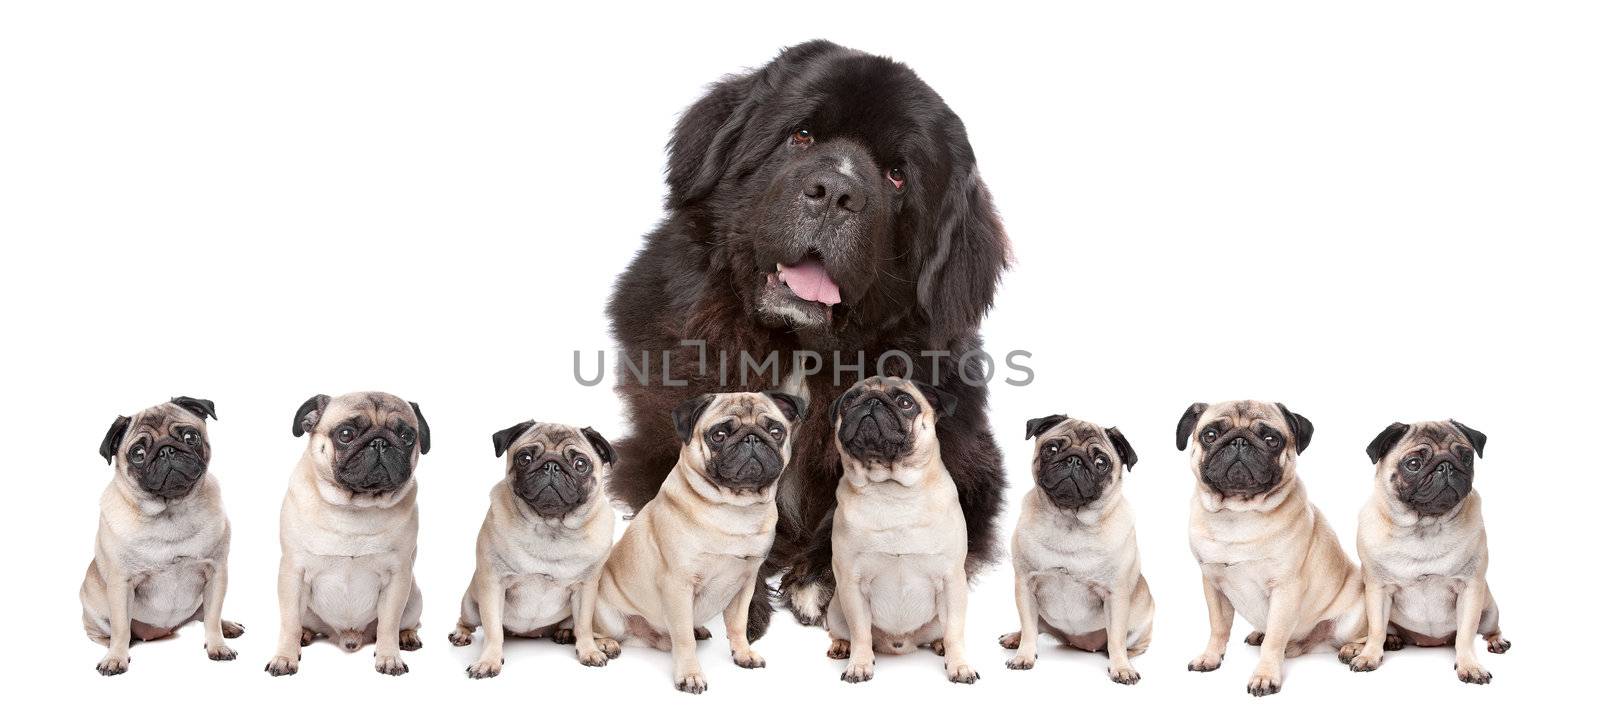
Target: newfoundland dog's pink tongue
x=809 y=280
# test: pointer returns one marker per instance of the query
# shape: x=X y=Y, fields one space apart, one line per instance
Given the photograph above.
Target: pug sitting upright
x=899 y=535
x=695 y=550
x=1264 y=550
x=161 y=552
x=1424 y=552
x=1074 y=551
x=349 y=530
x=542 y=545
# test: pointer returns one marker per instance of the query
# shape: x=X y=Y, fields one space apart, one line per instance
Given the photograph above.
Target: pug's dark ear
x=305 y=420
x=504 y=438
x=709 y=141
x=833 y=408
x=793 y=408
x=424 y=436
x=1300 y=427
x=687 y=413
x=943 y=401
x=113 y=440
x=963 y=250
x=601 y=446
x=1041 y=425
x=1124 y=450
x=1187 y=423
x=1386 y=440
x=1474 y=436
x=201 y=407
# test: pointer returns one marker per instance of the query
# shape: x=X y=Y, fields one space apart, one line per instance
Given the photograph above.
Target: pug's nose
x=1240 y=443
x=551 y=468
x=379 y=444
x=1075 y=462
x=751 y=439
x=1445 y=468
x=165 y=451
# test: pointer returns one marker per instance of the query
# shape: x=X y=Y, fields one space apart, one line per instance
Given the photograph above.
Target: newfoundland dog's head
x=840 y=196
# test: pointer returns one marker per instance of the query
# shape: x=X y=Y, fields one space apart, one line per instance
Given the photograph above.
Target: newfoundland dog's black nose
x=825 y=189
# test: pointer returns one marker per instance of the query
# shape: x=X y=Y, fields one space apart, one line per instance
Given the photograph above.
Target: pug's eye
x=904 y=402
x=346 y=434
x=580 y=464
x=801 y=137
x=406 y=435
x=896 y=176
x=136 y=455
x=775 y=430
x=1270 y=438
x=1052 y=448
x=1208 y=436
x=1414 y=464
x=525 y=459
x=1101 y=463
x=718 y=436
x=190 y=438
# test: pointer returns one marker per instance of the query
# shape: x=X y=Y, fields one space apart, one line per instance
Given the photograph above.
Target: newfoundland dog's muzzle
x=872 y=429
x=550 y=488
x=377 y=462
x=745 y=460
x=1241 y=464
x=1437 y=487
x=172 y=471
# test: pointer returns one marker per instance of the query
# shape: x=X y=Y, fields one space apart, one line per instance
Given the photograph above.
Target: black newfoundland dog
x=827 y=202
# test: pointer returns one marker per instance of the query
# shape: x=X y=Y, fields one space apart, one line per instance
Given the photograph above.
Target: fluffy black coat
x=916 y=259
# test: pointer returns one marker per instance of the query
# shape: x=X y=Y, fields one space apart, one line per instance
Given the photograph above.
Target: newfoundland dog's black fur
x=826 y=202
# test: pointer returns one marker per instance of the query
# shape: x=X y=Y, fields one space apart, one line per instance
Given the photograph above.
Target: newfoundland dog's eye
x=801 y=137
x=897 y=177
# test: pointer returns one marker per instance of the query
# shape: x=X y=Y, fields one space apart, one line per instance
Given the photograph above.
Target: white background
x=1369 y=211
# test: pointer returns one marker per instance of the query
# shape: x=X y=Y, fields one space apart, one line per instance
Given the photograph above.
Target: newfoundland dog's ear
x=707 y=139
x=965 y=251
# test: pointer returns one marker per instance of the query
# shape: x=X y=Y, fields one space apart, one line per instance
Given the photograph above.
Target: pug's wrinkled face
x=163 y=450
x=1246 y=448
x=553 y=468
x=1077 y=463
x=365 y=443
x=739 y=442
x=884 y=419
x=1427 y=467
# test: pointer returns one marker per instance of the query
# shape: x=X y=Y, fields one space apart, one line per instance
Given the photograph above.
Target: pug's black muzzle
x=1241 y=466
x=550 y=489
x=871 y=429
x=380 y=463
x=1070 y=482
x=746 y=460
x=1437 y=491
x=172 y=472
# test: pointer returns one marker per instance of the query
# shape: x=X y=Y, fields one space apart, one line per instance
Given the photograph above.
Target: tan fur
x=538 y=574
x=693 y=552
x=899 y=554
x=1426 y=576
x=346 y=569
x=1077 y=571
x=157 y=564
x=1271 y=558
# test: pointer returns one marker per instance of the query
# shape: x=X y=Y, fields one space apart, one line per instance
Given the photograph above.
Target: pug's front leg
x=291 y=610
x=1028 y=636
x=1376 y=596
x=211 y=610
x=118 y=593
x=491 y=598
x=391 y=607
x=853 y=604
x=1283 y=608
x=1220 y=611
x=583 y=604
x=955 y=628
x=1469 y=610
x=1118 y=605
x=737 y=618
x=677 y=600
